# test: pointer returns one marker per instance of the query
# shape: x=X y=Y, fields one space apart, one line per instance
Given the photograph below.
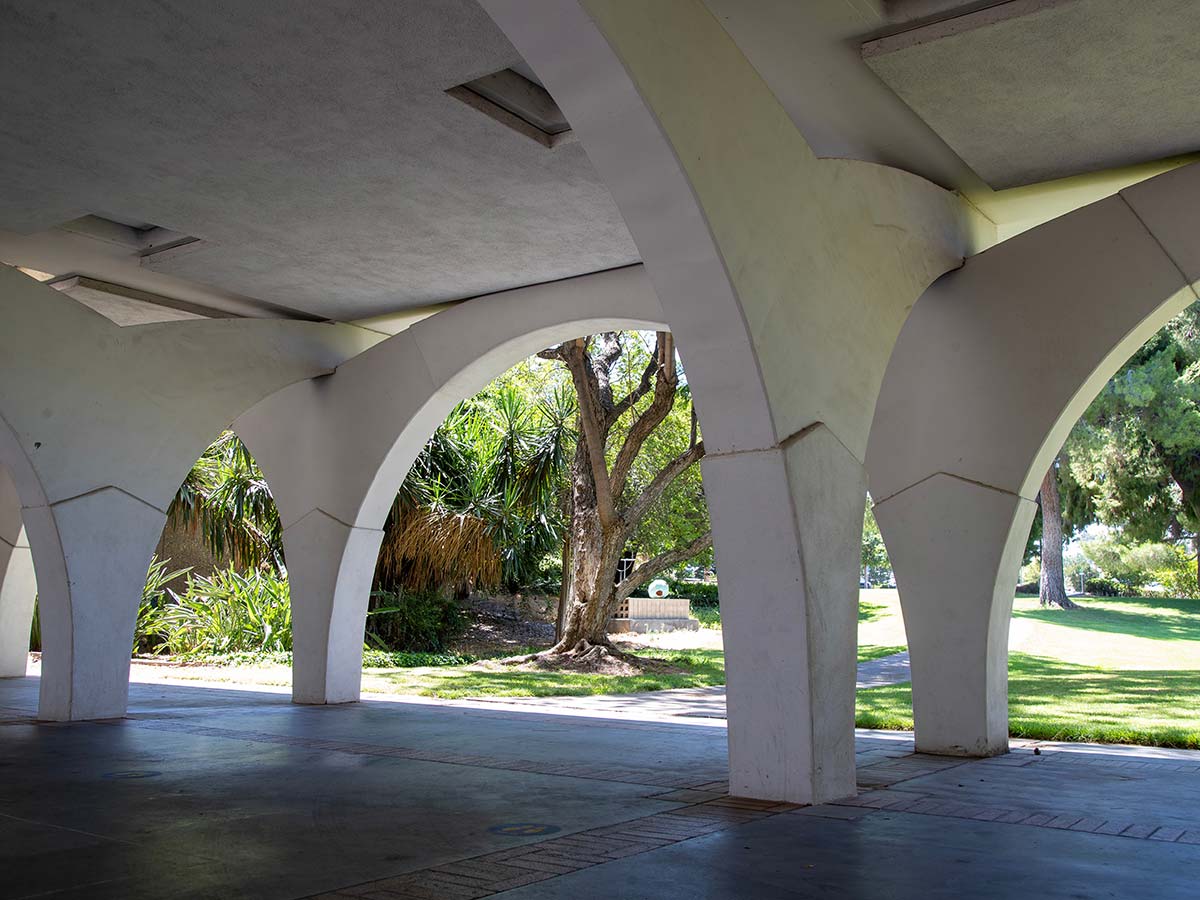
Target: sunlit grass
x=701 y=668
x=1049 y=699
x=867 y=652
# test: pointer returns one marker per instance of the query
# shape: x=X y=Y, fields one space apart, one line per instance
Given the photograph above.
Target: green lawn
x=702 y=668
x=1118 y=670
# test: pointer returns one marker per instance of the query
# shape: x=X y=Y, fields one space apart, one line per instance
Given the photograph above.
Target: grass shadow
x=1179 y=619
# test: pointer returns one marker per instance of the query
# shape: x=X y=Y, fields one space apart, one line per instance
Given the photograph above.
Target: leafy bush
x=154 y=596
x=383 y=659
x=1029 y=589
x=227 y=612
x=413 y=620
x=1181 y=584
x=699 y=593
x=1104 y=587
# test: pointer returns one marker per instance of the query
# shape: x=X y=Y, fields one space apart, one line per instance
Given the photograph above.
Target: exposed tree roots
x=589 y=657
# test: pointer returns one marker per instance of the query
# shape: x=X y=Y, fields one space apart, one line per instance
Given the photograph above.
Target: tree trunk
x=1052 y=592
x=601 y=517
x=593 y=571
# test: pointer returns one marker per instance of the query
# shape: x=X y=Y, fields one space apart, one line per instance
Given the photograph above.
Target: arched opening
x=217 y=584
x=975 y=408
x=18 y=584
x=487 y=510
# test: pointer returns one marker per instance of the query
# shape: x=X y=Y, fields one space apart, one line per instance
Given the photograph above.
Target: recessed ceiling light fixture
x=514 y=100
x=142 y=238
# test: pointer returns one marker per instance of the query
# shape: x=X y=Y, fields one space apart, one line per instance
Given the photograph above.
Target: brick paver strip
x=898 y=801
x=491 y=873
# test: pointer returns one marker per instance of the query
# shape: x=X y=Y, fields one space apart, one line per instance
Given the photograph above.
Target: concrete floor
x=221 y=793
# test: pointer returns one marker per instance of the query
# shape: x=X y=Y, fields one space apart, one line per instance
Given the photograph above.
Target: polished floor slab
x=225 y=793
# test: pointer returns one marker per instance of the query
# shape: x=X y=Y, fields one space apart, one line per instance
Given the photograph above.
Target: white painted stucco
x=98 y=426
x=996 y=364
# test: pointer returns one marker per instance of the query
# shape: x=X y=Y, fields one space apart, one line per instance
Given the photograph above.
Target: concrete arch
x=335 y=450
x=786 y=279
x=18 y=586
x=994 y=366
x=101 y=424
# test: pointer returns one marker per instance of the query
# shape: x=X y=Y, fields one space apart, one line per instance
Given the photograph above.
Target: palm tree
x=481 y=505
x=226 y=497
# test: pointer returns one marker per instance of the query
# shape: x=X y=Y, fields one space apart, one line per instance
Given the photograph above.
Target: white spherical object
x=658 y=589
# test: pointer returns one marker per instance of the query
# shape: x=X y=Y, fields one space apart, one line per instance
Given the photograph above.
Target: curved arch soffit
x=646 y=180
x=471 y=377
x=1000 y=358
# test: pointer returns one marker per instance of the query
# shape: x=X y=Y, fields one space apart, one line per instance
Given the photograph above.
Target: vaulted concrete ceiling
x=310 y=146
x=1033 y=90
x=995 y=107
x=313 y=151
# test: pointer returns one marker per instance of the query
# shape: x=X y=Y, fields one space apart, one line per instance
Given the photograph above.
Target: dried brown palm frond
x=427 y=548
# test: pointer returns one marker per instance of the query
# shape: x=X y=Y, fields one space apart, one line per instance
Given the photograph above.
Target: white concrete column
x=92 y=553
x=786 y=279
x=956 y=547
x=788 y=521
x=993 y=368
x=18 y=585
x=330 y=566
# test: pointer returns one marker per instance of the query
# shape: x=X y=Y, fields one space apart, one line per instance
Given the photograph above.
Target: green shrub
x=383 y=659
x=154 y=596
x=1104 y=587
x=406 y=621
x=1029 y=589
x=1180 y=583
x=700 y=594
x=227 y=612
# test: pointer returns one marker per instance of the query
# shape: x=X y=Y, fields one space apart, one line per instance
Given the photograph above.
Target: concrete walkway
x=695 y=703
x=204 y=793
x=235 y=794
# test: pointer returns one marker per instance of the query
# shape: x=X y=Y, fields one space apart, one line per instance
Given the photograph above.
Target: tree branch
x=592 y=426
x=642 y=388
x=666 y=381
x=608 y=351
x=651 y=567
x=672 y=470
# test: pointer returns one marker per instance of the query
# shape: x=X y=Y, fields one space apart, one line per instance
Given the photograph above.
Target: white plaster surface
x=98 y=426
x=335 y=450
x=330 y=567
x=758 y=251
x=956 y=547
x=785 y=522
x=994 y=366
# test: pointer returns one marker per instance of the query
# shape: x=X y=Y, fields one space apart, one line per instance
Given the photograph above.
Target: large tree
x=607 y=502
x=1051 y=590
x=1136 y=451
